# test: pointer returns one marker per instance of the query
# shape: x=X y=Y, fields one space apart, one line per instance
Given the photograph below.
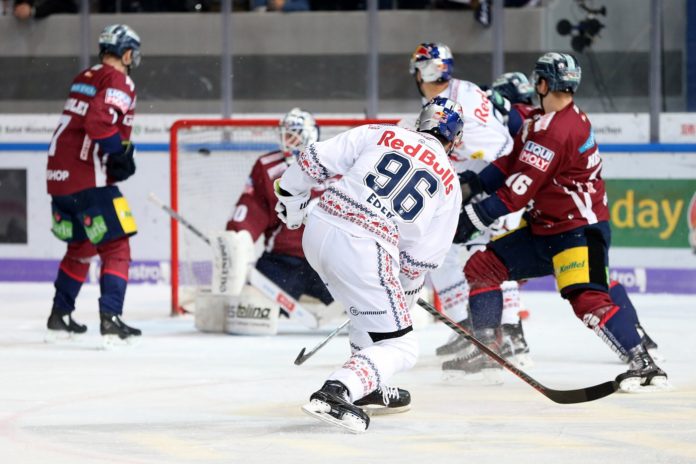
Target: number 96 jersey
x=397 y=186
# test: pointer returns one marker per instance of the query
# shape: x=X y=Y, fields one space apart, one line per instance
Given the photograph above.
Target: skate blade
x=633 y=385
x=320 y=410
x=113 y=342
x=521 y=361
x=374 y=410
x=61 y=336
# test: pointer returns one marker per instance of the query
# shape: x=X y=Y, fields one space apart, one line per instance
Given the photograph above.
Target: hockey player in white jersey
x=372 y=238
x=484 y=139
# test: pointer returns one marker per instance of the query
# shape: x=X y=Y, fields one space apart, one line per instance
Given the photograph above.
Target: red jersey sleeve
x=114 y=99
x=255 y=211
x=532 y=163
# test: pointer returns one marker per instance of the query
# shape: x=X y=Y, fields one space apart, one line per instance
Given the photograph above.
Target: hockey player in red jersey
x=90 y=151
x=283 y=260
x=555 y=165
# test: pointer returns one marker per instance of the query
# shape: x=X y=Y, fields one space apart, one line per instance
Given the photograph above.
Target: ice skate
x=643 y=374
x=331 y=404
x=62 y=327
x=115 y=332
x=473 y=364
x=514 y=347
x=385 y=400
x=455 y=344
x=649 y=344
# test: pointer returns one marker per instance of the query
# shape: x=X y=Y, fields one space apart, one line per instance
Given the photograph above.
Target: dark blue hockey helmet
x=515 y=87
x=561 y=71
x=444 y=117
x=117 y=39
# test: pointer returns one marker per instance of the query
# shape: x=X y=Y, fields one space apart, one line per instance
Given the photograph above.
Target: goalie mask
x=434 y=61
x=444 y=118
x=297 y=130
x=117 y=39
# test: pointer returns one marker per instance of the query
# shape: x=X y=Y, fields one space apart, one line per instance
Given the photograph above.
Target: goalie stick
x=302 y=357
x=580 y=395
x=256 y=278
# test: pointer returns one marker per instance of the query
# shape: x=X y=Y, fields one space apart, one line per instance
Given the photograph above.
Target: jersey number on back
x=395 y=170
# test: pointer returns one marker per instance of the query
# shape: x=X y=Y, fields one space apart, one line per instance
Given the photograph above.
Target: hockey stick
x=580 y=395
x=302 y=357
x=256 y=278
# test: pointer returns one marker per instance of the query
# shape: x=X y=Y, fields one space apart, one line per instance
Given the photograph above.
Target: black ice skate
x=456 y=343
x=331 y=404
x=514 y=347
x=649 y=344
x=385 y=400
x=643 y=374
x=114 y=329
x=62 y=327
x=473 y=363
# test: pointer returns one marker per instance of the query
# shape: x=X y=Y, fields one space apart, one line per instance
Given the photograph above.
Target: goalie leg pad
x=252 y=313
x=232 y=254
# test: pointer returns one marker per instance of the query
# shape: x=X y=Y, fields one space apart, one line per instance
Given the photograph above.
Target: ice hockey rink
x=181 y=396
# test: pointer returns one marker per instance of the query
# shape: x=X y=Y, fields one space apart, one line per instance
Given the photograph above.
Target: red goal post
x=210 y=161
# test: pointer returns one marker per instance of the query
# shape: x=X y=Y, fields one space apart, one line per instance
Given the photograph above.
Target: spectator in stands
x=27 y=9
x=280 y=5
x=153 y=6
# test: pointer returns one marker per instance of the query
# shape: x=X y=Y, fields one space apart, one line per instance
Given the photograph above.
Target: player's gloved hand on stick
x=472 y=219
x=120 y=165
x=471 y=186
x=291 y=209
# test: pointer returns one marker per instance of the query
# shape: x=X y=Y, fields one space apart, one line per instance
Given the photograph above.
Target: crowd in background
x=27 y=9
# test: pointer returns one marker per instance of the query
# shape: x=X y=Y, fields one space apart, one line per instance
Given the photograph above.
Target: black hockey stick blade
x=580 y=395
x=302 y=357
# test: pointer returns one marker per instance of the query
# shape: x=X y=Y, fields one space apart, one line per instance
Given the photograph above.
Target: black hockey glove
x=121 y=165
x=471 y=186
x=472 y=219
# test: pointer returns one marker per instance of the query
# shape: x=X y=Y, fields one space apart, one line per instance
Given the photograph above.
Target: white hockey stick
x=256 y=279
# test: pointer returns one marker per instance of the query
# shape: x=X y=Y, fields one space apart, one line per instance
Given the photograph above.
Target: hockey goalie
x=249 y=298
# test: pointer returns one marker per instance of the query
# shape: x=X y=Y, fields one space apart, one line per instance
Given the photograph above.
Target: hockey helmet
x=515 y=87
x=116 y=39
x=561 y=71
x=443 y=117
x=434 y=61
x=297 y=130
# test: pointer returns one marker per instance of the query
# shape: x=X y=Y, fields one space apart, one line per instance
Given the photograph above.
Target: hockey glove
x=292 y=209
x=121 y=165
x=471 y=186
x=472 y=219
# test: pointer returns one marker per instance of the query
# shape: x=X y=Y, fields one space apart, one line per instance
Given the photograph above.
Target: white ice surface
x=186 y=397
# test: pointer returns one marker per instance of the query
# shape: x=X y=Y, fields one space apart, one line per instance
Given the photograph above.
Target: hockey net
x=210 y=162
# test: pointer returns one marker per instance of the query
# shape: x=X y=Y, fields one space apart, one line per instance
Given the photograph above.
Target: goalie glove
x=291 y=209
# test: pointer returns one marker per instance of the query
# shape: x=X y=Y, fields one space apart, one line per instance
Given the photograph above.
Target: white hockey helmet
x=297 y=130
x=434 y=61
